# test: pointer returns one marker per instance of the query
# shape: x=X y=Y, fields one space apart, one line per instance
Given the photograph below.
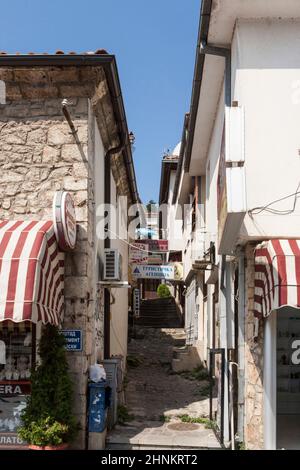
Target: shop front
x=31 y=295
x=277 y=300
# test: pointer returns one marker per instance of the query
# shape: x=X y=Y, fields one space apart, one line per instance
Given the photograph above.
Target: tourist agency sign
x=169 y=272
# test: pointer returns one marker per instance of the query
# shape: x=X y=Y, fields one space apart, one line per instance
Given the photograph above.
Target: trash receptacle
x=99 y=396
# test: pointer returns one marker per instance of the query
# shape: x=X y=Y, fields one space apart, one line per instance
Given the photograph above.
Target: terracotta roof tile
x=60 y=52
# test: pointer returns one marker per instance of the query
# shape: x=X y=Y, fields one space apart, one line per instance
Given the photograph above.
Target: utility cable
x=267 y=208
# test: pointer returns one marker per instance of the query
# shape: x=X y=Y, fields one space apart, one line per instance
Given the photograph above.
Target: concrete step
x=156 y=435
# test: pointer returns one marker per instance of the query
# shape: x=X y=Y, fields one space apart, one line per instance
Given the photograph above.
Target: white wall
x=212 y=170
x=266 y=82
x=119 y=296
x=174 y=223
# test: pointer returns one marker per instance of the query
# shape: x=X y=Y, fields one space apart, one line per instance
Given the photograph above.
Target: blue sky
x=154 y=42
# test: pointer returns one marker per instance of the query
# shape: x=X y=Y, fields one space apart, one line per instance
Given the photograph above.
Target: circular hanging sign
x=64 y=219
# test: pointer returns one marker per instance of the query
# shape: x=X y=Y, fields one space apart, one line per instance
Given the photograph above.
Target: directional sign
x=144 y=271
x=73 y=339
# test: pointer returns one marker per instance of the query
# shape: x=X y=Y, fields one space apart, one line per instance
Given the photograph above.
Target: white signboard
x=144 y=271
x=138 y=253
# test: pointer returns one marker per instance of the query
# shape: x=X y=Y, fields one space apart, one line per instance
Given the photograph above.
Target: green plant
x=199 y=373
x=163 y=291
x=164 y=419
x=44 y=432
x=241 y=446
x=50 y=402
x=207 y=422
x=133 y=361
x=204 y=391
x=124 y=415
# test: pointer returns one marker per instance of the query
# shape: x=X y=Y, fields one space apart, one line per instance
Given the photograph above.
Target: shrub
x=163 y=291
x=123 y=414
x=44 y=432
x=207 y=422
x=48 y=415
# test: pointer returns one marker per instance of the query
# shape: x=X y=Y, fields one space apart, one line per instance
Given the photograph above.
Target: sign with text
x=155 y=245
x=73 y=339
x=11 y=388
x=12 y=439
x=144 y=271
x=138 y=253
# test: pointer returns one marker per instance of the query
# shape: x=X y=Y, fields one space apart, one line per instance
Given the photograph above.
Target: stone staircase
x=159 y=313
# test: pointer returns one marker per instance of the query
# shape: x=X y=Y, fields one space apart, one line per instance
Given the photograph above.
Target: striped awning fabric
x=277 y=276
x=31 y=272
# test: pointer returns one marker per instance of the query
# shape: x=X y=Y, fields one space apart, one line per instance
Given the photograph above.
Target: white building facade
x=241 y=159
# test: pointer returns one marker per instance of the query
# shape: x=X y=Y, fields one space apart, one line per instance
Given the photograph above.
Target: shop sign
x=64 y=219
x=155 y=245
x=138 y=253
x=11 y=439
x=178 y=271
x=73 y=339
x=10 y=389
x=144 y=271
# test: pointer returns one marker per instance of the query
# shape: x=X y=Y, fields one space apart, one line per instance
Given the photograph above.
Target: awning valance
x=277 y=276
x=31 y=272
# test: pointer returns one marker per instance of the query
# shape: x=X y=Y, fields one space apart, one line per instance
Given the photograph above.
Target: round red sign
x=64 y=219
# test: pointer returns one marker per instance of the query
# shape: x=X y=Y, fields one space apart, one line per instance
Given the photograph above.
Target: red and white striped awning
x=277 y=276
x=31 y=272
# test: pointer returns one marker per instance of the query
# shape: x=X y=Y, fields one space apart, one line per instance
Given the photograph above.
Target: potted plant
x=163 y=291
x=48 y=421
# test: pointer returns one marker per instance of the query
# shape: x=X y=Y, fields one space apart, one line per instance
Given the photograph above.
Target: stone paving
x=155 y=397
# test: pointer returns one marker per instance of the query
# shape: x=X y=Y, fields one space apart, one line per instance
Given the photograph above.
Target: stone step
x=155 y=435
x=116 y=446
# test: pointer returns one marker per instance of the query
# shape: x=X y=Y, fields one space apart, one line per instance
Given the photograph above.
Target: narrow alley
x=164 y=409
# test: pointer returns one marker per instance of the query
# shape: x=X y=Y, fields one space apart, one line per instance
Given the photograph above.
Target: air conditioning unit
x=112 y=265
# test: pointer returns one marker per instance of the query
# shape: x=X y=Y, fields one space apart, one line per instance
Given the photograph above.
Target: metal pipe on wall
x=241 y=345
x=107 y=241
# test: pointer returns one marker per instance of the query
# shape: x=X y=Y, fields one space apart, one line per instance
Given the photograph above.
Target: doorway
x=288 y=379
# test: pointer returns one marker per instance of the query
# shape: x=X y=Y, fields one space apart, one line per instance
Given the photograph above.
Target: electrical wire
x=267 y=208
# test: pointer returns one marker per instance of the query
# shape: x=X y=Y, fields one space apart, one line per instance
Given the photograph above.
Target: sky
x=154 y=42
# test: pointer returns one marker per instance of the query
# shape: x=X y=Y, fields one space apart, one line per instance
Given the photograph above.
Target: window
x=16 y=361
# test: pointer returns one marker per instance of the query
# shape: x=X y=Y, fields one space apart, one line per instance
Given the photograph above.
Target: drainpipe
x=107 y=241
x=241 y=346
x=231 y=363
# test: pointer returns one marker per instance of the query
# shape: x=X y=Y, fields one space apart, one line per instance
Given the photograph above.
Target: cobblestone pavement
x=155 y=397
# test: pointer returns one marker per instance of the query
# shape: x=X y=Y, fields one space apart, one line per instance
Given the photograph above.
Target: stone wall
x=38 y=156
x=254 y=432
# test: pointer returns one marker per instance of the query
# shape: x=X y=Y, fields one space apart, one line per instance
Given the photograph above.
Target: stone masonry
x=254 y=396
x=38 y=156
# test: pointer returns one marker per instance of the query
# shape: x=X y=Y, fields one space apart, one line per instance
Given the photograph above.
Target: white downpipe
x=270 y=373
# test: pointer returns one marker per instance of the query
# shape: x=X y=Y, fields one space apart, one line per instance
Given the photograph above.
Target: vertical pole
x=211 y=366
x=222 y=394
